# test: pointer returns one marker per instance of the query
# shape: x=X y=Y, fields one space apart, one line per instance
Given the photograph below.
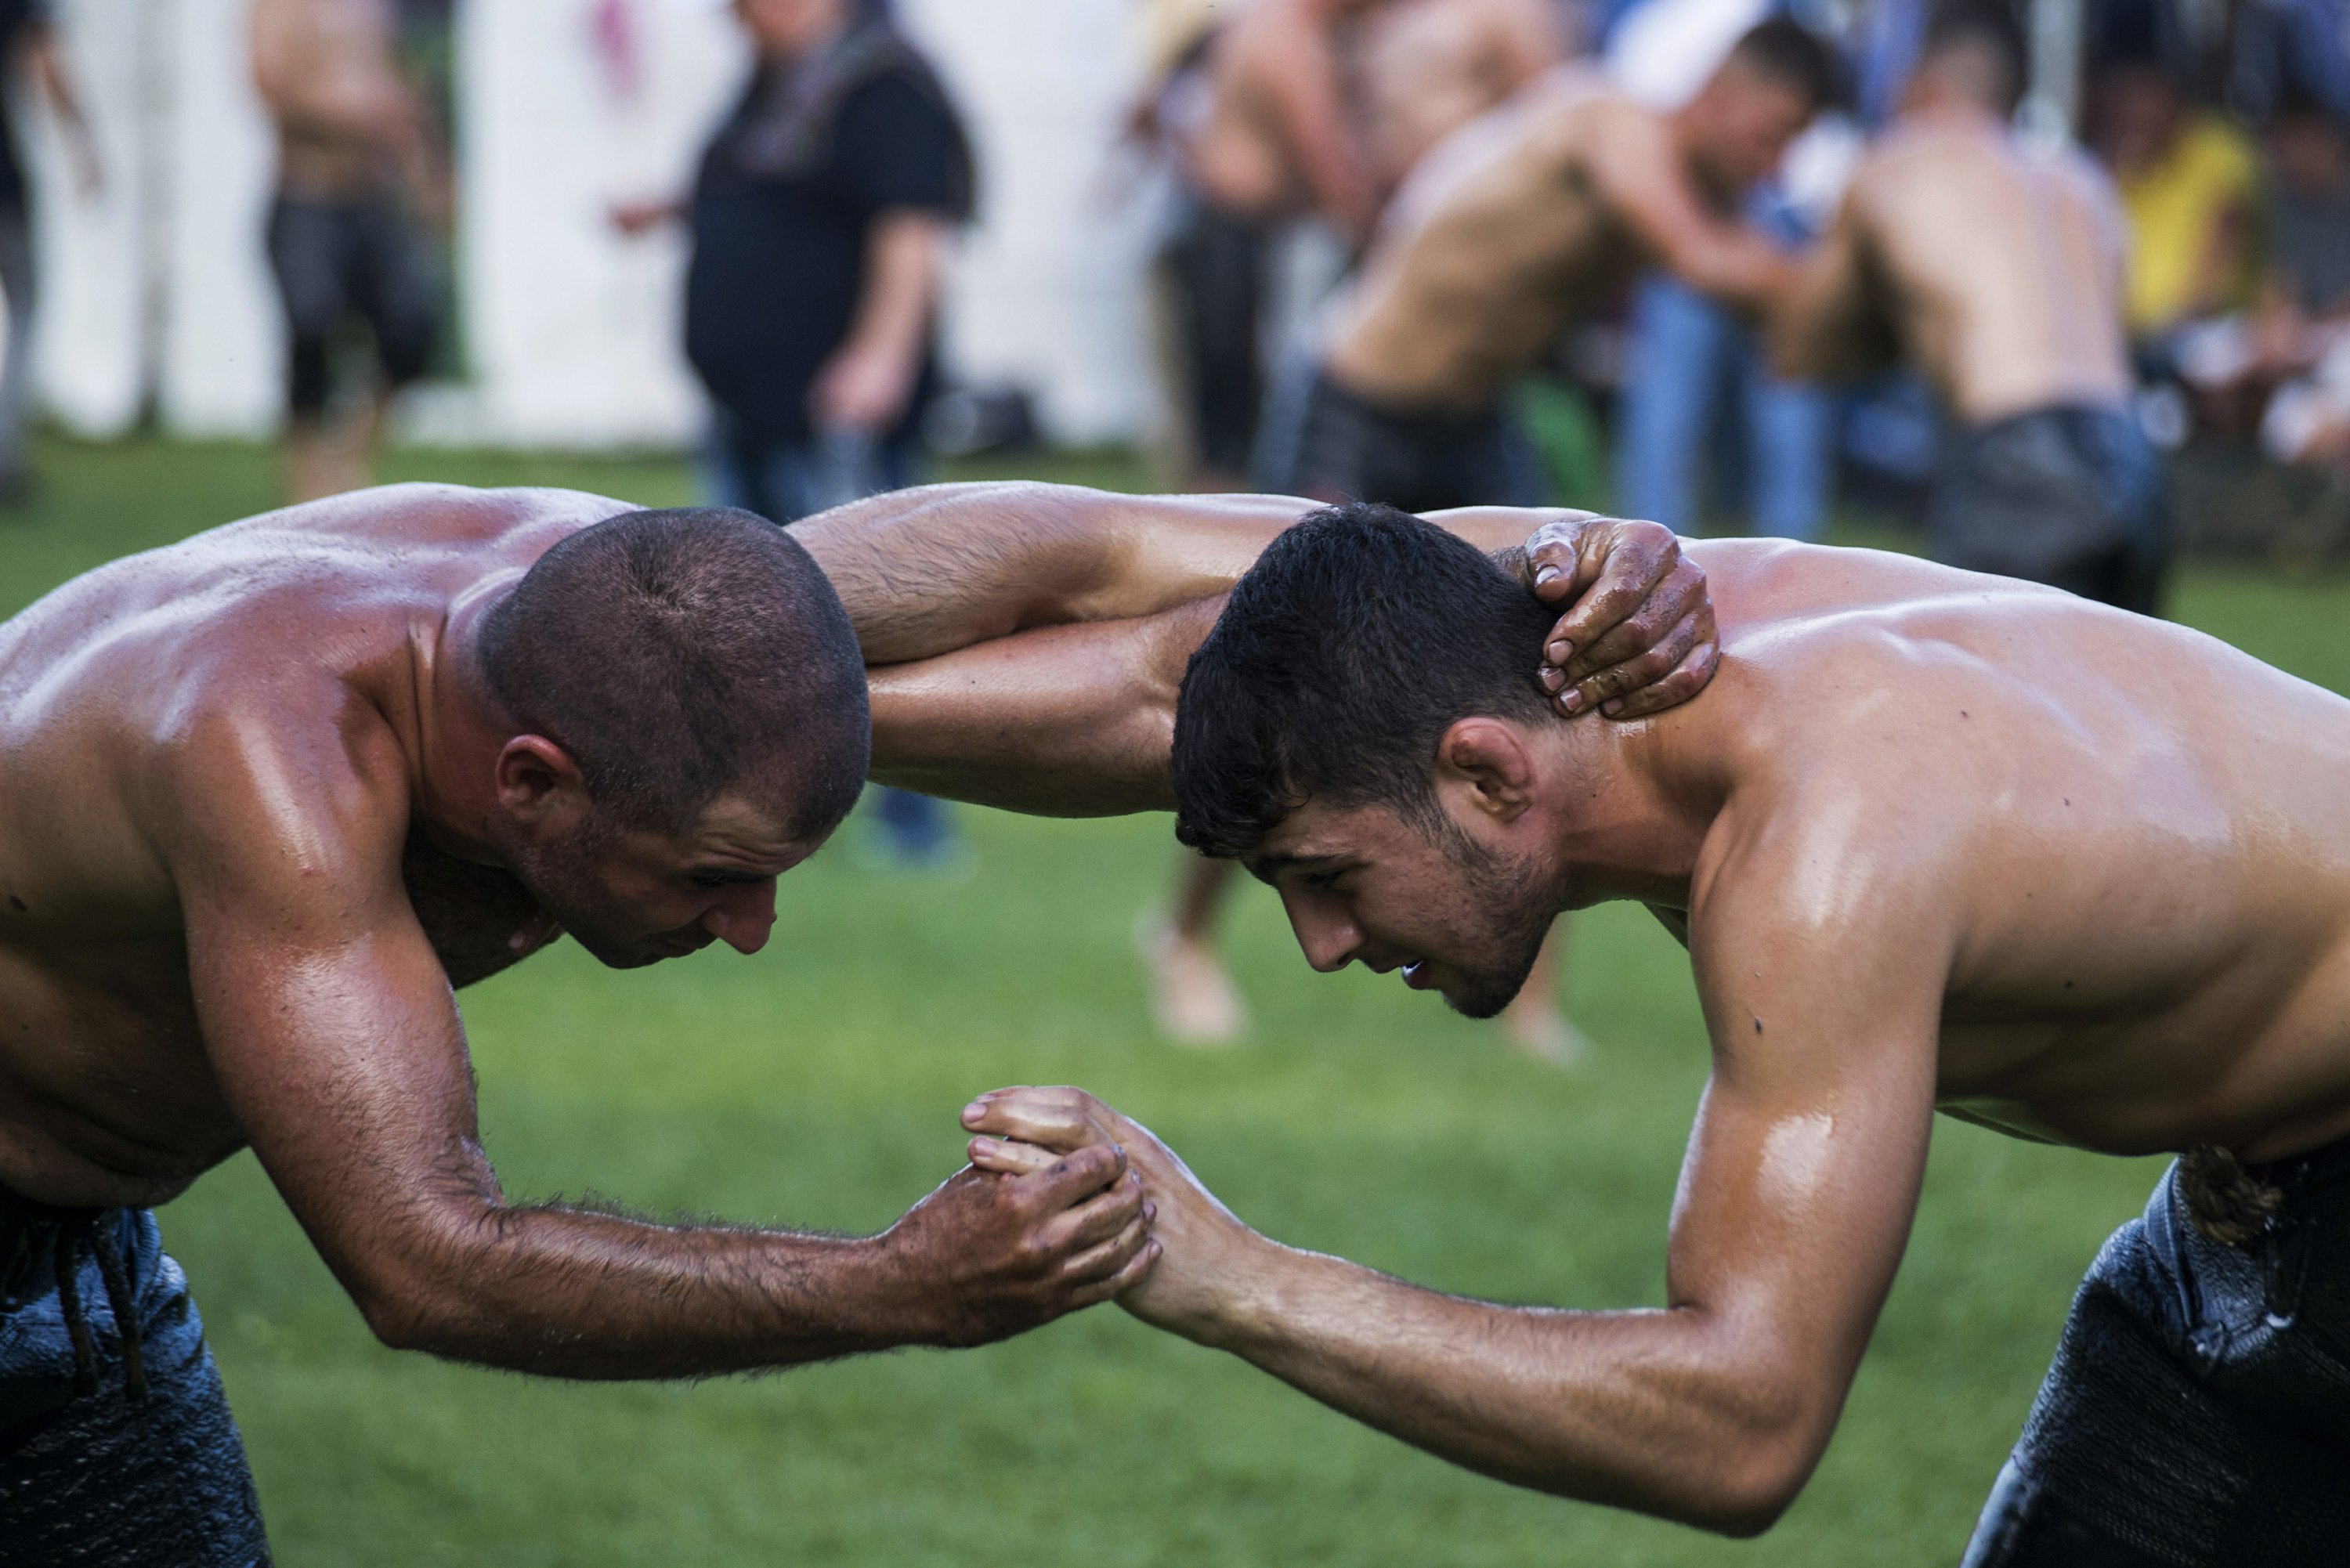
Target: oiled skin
x=2128 y=836
x=1997 y=270
x=241 y=865
x=1932 y=838
x=1520 y=224
x=253 y=825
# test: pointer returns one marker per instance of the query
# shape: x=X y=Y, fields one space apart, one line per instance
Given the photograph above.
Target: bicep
x=1801 y=1176
x=330 y=1025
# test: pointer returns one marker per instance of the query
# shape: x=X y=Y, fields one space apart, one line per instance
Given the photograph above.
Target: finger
x=1097 y=1218
x=1662 y=658
x=1629 y=573
x=1009 y=1156
x=1108 y=1256
x=1677 y=688
x=1678 y=595
x=1054 y=1123
x=1070 y=1178
x=1119 y=1283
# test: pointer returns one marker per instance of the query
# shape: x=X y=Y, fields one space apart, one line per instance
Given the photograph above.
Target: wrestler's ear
x=540 y=788
x=1486 y=761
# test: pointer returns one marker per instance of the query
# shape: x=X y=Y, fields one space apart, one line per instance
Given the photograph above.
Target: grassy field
x=817 y=1084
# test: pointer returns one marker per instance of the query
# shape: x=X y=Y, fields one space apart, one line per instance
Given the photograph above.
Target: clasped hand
x=1197 y=1283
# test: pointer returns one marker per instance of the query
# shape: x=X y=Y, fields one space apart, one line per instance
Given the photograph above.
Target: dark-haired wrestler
x=269 y=794
x=1935 y=841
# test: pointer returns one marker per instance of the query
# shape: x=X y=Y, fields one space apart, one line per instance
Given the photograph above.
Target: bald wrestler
x=1998 y=269
x=269 y=794
x=360 y=170
x=1934 y=840
x=1515 y=226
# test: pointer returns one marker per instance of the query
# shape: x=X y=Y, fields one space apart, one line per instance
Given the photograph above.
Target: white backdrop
x=158 y=289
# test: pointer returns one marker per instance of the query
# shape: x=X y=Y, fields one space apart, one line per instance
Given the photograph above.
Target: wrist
x=888 y=1301
x=1245 y=1307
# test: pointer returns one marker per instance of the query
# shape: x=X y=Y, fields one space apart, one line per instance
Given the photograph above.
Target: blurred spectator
x=360 y=175
x=2189 y=183
x=1251 y=111
x=1698 y=384
x=28 y=47
x=819 y=215
x=2301 y=338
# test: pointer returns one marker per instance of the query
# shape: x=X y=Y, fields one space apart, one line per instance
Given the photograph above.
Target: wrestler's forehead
x=743 y=826
x=1318 y=831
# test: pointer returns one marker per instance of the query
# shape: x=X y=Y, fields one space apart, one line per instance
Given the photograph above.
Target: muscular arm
x=1108 y=595
x=866 y=383
x=333 y=1037
x=1795 y=1204
x=1633 y=163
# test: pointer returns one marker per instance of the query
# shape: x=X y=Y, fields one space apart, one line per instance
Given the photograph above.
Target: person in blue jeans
x=1691 y=362
x=819 y=215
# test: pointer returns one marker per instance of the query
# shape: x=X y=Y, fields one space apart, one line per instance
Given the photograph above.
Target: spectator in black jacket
x=819 y=215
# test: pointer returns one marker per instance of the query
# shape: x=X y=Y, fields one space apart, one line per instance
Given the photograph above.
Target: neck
x=1631 y=808
x=460 y=728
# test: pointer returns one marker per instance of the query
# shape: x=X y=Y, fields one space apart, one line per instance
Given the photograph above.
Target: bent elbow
x=402 y=1321
x=1753 y=1491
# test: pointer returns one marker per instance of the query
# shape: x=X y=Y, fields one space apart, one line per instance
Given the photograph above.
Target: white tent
x=158 y=288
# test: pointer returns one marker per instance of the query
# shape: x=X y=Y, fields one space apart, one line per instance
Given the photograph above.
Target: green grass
x=817 y=1084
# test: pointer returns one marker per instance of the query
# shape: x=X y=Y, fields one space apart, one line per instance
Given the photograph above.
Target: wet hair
x=674 y=654
x=1793 y=57
x=1359 y=637
x=1979 y=45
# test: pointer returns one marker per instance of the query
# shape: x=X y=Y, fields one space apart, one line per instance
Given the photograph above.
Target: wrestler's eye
x=721 y=878
x=1323 y=881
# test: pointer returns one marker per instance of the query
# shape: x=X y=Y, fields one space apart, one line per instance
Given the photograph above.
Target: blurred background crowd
x=208 y=206
x=817 y=242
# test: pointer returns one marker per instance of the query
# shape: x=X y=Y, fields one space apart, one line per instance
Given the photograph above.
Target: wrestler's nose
x=744 y=916
x=1329 y=941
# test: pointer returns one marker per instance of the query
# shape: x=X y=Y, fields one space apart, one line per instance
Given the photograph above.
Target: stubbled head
x=1974 y=54
x=1363 y=728
x=689 y=721
x=1774 y=80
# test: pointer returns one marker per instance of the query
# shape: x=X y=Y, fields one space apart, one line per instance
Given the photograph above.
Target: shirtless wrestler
x=270 y=793
x=1306 y=107
x=1519 y=223
x=360 y=170
x=1934 y=840
x=1997 y=266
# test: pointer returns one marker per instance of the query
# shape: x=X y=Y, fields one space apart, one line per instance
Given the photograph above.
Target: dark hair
x=672 y=652
x=1792 y=55
x=1357 y=639
x=1989 y=31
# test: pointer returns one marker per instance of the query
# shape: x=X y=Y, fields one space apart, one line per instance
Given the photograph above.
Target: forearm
x=901 y=281
x=572 y=1293
x=1073 y=721
x=928 y=571
x=1653 y=1411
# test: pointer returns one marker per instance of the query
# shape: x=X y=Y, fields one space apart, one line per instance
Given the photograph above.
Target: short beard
x=562 y=879
x=1518 y=900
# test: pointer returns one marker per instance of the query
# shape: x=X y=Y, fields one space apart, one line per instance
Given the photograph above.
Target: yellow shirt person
x=2191 y=217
